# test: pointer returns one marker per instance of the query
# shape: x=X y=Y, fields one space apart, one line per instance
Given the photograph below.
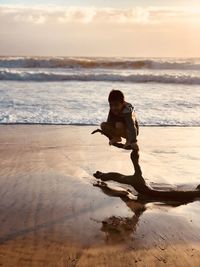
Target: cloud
x=32 y=18
x=77 y=14
x=87 y=15
x=85 y=31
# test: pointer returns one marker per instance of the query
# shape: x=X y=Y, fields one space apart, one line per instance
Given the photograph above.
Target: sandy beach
x=52 y=215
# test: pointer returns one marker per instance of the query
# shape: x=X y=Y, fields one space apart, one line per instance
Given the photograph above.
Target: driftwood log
x=139 y=184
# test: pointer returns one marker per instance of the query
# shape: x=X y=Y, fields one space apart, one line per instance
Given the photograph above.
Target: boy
x=121 y=121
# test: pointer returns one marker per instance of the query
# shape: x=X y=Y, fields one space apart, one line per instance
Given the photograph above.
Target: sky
x=125 y=28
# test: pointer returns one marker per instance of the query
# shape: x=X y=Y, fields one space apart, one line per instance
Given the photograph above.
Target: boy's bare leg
x=122 y=131
x=111 y=131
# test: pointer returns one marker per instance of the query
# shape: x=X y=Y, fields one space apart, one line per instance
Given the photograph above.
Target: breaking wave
x=88 y=63
x=13 y=75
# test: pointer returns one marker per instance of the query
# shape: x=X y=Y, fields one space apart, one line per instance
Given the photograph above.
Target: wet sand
x=51 y=215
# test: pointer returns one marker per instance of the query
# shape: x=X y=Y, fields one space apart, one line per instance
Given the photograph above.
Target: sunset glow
x=93 y=30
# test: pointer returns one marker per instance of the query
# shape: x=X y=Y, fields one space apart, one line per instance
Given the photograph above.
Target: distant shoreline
x=82 y=124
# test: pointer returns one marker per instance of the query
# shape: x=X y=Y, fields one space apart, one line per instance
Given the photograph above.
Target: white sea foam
x=46 y=76
x=86 y=102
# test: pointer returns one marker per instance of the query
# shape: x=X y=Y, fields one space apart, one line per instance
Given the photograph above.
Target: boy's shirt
x=127 y=117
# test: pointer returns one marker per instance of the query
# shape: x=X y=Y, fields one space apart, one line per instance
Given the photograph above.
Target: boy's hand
x=135 y=146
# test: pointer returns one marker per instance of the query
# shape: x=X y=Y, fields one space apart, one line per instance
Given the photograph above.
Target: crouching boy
x=122 y=123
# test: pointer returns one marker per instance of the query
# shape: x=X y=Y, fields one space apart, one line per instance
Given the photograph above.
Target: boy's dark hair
x=116 y=96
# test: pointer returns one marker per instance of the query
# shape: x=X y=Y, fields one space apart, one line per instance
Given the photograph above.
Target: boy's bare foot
x=127 y=144
x=115 y=140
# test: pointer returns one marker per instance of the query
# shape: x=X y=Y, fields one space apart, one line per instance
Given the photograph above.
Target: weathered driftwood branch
x=139 y=184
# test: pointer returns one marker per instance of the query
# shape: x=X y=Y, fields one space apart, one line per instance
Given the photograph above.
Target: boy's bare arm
x=132 y=129
x=137 y=125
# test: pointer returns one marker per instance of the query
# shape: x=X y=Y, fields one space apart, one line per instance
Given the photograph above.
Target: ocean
x=71 y=90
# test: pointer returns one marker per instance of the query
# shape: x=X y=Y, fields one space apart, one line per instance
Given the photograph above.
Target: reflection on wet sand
x=121 y=229
x=117 y=228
